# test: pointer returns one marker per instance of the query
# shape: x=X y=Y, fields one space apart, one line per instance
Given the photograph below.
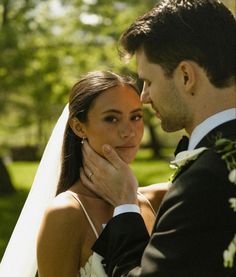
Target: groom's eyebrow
x=119 y=112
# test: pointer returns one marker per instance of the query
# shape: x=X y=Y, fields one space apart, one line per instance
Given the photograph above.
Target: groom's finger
x=87 y=182
x=91 y=157
x=93 y=162
x=111 y=155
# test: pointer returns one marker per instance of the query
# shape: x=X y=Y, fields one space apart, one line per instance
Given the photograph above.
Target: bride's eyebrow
x=119 y=112
x=112 y=111
x=137 y=110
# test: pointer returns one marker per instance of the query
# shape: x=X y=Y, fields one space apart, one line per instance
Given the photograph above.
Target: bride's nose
x=126 y=130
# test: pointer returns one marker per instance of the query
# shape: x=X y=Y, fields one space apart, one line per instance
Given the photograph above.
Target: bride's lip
x=125 y=146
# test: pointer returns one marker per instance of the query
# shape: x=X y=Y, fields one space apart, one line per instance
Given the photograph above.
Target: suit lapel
x=225 y=130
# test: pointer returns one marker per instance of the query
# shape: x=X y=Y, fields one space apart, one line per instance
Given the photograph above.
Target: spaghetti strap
x=145 y=198
x=88 y=217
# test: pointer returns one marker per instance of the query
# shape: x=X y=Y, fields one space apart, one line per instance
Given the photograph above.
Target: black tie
x=182 y=145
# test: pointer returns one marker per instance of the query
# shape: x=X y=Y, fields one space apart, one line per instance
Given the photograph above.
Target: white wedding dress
x=93 y=267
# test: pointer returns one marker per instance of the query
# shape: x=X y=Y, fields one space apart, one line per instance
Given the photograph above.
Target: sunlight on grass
x=151 y=172
x=22 y=174
x=10 y=207
x=148 y=170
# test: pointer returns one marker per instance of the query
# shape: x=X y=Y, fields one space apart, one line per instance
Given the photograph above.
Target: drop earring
x=82 y=141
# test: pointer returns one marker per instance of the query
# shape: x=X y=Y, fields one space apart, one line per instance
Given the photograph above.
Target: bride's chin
x=124 y=155
x=126 y=158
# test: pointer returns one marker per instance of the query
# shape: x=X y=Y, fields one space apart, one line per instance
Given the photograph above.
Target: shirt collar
x=209 y=124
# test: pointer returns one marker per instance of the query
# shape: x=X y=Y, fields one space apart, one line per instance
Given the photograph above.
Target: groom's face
x=162 y=93
x=115 y=118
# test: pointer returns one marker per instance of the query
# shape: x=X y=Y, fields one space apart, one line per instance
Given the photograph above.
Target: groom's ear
x=185 y=77
x=77 y=127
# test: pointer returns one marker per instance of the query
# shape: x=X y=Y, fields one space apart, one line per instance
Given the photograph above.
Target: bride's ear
x=77 y=127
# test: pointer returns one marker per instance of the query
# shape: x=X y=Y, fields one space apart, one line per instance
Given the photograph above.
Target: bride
x=54 y=235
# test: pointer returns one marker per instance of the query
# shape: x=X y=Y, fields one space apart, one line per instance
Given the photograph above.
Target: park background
x=45 y=47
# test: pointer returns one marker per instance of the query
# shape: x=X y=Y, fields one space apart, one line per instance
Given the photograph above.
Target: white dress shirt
x=209 y=124
x=198 y=133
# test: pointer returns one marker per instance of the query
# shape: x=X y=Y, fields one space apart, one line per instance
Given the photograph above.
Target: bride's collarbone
x=97 y=209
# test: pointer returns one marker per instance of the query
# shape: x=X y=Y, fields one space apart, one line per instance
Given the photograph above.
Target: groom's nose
x=145 y=97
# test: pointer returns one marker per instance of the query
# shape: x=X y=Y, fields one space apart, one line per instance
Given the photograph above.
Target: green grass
x=10 y=207
x=22 y=174
x=147 y=170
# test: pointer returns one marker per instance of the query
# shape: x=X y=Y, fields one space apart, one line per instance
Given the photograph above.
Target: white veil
x=19 y=259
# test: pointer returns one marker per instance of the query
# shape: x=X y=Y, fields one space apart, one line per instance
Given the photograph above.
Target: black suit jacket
x=194 y=226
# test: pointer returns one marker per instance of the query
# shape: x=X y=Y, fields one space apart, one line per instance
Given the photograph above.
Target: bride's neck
x=80 y=188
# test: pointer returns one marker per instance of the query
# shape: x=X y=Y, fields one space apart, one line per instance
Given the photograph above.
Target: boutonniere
x=227 y=149
x=183 y=158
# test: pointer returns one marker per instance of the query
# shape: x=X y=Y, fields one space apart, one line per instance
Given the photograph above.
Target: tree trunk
x=5 y=12
x=155 y=145
x=6 y=186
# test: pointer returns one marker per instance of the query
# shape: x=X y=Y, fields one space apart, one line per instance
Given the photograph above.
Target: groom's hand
x=109 y=177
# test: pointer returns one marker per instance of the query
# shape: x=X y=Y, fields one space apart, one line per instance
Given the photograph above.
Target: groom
x=186 y=56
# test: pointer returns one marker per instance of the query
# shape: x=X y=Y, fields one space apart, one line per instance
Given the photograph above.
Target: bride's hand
x=110 y=177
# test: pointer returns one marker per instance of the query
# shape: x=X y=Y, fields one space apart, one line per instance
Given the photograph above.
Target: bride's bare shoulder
x=65 y=200
x=60 y=235
x=155 y=188
x=63 y=209
x=155 y=193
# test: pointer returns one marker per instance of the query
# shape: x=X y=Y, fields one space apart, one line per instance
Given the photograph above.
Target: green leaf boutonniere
x=227 y=149
x=183 y=158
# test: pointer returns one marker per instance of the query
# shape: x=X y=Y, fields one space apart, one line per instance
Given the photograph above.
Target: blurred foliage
x=45 y=47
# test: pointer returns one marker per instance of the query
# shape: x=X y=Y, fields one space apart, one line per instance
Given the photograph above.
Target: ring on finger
x=90 y=175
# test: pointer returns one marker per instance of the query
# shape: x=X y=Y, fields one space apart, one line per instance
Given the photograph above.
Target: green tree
x=45 y=47
x=25 y=88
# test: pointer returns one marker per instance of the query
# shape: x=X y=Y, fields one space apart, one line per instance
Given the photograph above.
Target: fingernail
x=107 y=148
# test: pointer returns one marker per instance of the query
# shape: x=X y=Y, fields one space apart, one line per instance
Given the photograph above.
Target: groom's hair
x=203 y=31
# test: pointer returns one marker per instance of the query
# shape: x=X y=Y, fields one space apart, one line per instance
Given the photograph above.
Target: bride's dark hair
x=82 y=95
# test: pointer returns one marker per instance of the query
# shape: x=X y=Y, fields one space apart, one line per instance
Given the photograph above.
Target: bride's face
x=116 y=118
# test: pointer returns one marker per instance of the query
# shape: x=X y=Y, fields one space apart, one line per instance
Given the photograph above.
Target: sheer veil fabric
x=19 y=259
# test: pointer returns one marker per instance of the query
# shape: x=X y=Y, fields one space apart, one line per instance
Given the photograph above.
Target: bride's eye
x=137 y=117
x=111 y=119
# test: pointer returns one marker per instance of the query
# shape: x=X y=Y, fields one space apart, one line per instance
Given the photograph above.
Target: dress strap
x=149 y=203
x=88 y=217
